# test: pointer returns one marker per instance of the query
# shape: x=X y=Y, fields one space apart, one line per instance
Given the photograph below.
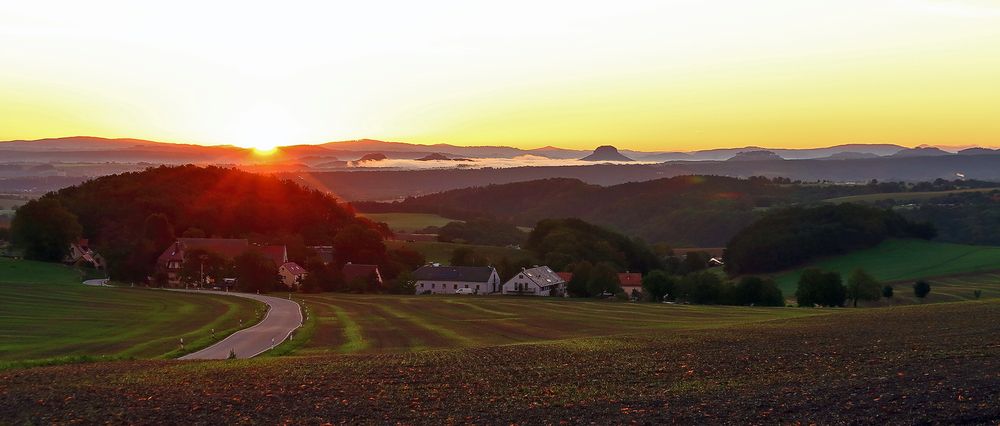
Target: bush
x=921 y=289
x=887 y=292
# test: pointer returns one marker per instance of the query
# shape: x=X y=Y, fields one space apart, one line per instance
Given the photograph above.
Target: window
x=454 y=286
x=432 y=285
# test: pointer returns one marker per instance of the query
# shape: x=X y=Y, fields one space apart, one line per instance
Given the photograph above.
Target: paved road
x=283 y=317
x=102 y=282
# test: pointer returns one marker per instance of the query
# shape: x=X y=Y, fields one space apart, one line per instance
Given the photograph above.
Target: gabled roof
x=630 y=279
x=472 y=274
x=354 y=271
x=294 y=268
x=542 y=276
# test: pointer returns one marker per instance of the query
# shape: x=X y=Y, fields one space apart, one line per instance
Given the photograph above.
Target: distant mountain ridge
x=89 y=148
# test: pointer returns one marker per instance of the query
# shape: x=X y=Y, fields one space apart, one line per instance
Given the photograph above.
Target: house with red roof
x=171 y=261
x=630 y=281
x=80 y=252
x=292 y=274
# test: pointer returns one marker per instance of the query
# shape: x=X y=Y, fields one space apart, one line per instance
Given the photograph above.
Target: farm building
x=630 y=281
x=448 y=279
x=172 y=259
x=537 y=281
x=369 y=273
x=80 y=252
x=292 y=274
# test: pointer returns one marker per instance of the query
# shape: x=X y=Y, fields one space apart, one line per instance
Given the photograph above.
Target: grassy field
x=436 y=251
x=903 y=365
x=901 y=260
x=45 y=312
x=409 y=222
x=389 y=323
x=903 y=196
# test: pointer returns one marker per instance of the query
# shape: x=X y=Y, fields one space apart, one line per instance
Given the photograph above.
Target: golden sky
x=651 y=75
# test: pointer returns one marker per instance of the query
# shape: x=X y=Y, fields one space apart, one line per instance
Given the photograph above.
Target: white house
x=537 y=281
x=448 y=279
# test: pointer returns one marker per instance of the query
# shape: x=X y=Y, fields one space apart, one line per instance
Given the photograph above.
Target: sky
x=648 y=75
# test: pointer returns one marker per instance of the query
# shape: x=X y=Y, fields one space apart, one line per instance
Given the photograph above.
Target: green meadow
x=905 y=260
x=903 y=196
x=409 y=222
x=47 y=314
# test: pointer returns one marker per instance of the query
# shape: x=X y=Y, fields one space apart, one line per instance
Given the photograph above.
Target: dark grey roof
x=472 y=274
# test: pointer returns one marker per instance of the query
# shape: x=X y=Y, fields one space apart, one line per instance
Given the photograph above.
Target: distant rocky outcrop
x=756 y=156
x=921 y=152
x=606 y=153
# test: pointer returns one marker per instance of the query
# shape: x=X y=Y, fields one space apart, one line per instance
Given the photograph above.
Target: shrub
x=921 y=289
x=820 y=288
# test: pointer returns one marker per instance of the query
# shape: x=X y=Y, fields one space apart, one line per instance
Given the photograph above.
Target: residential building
x=630 y=281
x=448 y=279
x=171 y=261
x=292 y=274
x=80 y=252
x=537 y=281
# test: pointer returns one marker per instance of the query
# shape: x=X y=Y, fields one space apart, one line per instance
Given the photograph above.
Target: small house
x=630 y=281
x=448 y=279
x=537 y=281
x=292 y=274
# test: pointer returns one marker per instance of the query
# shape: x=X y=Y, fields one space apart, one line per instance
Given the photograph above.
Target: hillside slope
x=899 y=260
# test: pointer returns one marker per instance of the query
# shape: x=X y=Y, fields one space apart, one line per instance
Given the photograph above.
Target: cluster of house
x=432 y=279
x=172 y=260
x=536 y=281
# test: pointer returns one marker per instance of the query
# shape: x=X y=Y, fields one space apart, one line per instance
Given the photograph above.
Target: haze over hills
x=403 y=169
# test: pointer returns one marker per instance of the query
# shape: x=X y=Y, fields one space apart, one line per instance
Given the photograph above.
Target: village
x=432 y=278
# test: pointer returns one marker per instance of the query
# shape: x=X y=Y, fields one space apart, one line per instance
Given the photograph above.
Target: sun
x=262 y=129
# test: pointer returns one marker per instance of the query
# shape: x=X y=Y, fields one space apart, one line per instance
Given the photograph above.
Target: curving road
x=283 y=317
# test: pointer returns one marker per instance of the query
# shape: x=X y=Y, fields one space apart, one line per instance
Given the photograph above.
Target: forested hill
x=115 y=212
x=681 y=211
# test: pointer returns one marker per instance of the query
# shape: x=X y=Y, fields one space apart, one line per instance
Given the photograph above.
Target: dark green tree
x=577 y=286
x=465 y=256
x=820 y=288
x=863 y=286
x=921 y=289
x=44 y=229
x=702 y=288
x=255 y=272
x=887 y=291
x=657 y=284
x=758 y=292
x=603 y=279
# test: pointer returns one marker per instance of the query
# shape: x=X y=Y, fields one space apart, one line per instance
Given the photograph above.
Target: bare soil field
x=914 y=364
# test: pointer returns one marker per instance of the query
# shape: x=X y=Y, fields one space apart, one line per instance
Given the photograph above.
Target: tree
x=403 y=283
x=465 y=256
x=577 y=286
x=44 y=229
x=657 y=284
x=255 y=271
x=695 y=261
x=701 y=288
x=887 y=291
x=820 y=288
x=359 y=244
x=977 y=293
x=863 y=286
x=921 y=289
x=756 y=291
x=603 y=278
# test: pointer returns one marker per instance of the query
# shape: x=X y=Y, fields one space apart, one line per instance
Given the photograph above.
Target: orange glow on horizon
x=653 y=75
